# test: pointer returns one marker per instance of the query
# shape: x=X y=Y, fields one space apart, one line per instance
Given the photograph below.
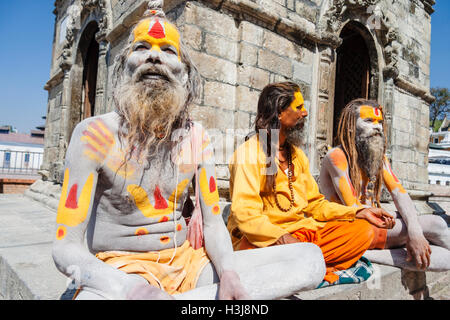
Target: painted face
x=296 y=111
x=157 y=44
x=299 y=104
x=369 y=122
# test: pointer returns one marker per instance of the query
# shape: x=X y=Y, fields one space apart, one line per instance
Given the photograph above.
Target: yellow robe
x=254 y=213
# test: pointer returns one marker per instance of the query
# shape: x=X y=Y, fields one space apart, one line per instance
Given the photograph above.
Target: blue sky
x=26 y=35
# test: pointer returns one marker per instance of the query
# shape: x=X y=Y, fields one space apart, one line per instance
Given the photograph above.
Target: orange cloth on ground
x=176 y=276
x=342 y=243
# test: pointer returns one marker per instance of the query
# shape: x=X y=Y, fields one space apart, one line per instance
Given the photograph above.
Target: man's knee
x=310 y=256
x=433 y=225
x=365 y=231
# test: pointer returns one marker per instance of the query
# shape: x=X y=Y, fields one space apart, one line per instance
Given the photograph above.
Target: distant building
x=439 y=155
x=21 y=157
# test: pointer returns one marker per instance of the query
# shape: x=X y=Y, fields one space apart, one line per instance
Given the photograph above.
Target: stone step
x=27 y=271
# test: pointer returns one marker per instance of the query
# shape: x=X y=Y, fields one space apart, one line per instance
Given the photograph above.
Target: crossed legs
x=435 y=230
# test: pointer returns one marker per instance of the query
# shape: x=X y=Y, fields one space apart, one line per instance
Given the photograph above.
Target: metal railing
x=20 y=162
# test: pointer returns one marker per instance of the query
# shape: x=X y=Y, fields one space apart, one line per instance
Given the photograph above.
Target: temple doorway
x=90 y=77
x=353 y=70
x=84 y=77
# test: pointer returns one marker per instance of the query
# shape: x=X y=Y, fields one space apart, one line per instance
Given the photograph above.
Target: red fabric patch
x=160 y=202
x=71 y=202
x=157 y=31
x=212 y=185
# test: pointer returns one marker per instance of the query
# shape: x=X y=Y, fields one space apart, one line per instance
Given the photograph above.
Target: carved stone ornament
x=73 y=17
x=334 y=16
x=382 y=22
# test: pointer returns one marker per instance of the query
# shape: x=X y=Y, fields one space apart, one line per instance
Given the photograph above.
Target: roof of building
x=20 y=138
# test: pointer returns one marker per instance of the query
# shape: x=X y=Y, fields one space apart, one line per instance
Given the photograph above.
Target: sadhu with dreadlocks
x=353 y=174
x=275 y=199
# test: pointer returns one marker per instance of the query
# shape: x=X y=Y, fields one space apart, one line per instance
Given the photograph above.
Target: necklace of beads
x=291 y=189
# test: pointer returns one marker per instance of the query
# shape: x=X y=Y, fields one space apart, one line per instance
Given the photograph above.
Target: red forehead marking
x=157 y=31
x=71 y=202
x=377 y=112
x=60 y=232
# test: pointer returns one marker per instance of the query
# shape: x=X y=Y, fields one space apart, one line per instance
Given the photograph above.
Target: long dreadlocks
x=346 y=138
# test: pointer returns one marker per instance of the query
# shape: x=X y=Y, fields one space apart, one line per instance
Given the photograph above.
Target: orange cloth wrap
x=342 y=243
x=176 y=276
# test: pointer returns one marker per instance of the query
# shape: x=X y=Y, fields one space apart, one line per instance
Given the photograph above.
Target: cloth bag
x=195 y=226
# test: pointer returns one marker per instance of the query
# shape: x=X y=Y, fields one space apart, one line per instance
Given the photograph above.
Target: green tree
x=441 y=106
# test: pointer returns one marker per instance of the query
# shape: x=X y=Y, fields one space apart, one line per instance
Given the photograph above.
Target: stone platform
x=27 y=271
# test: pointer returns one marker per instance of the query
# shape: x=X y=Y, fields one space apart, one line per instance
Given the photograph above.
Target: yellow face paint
x=73 y=211
x=159 y=34
x=368 y=112
x=298 y=102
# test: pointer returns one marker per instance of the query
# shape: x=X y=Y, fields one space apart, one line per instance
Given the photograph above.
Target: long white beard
x=370 y=154
x=148 y=113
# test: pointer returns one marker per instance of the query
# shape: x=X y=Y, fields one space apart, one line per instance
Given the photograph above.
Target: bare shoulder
x=336 y=156
x=109 y=120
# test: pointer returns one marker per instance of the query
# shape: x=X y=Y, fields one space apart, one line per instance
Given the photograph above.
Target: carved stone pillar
x=325 y=102
x=102 y=70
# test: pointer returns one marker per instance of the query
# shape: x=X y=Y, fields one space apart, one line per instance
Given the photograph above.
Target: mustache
x=152 y=70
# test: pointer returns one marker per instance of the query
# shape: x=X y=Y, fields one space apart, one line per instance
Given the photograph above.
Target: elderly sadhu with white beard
x=126 y=178
x=353 y=174
x=275 y=199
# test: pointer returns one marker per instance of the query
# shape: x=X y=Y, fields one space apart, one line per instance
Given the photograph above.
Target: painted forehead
x=156 y=31
x=370 y=112
x=298 y=101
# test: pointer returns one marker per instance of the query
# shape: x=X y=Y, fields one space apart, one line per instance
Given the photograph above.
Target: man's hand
x=231 y=287
x=286 y=239
x=418 y=249
x=378 y=217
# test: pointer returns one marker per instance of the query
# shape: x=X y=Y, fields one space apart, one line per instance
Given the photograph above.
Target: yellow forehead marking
x=298 y=102
x=158 y=34
x=368 y=112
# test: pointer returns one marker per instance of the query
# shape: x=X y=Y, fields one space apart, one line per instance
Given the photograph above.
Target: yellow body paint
x=339 y=159
x=61 y=233
x=72 y=212
x=368 y=112
x=147 y=209
x=347 y=191
x=390 y=180
x=98 y=141
x=298 y=102
x=209 y=191
x=119 y=165
x=141 y=232
x=158 y=34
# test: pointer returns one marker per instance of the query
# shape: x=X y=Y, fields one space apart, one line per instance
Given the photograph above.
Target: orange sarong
x=342 y=243
x=172 y=270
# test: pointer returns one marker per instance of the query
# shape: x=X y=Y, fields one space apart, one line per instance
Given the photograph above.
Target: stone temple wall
x=239 y=46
